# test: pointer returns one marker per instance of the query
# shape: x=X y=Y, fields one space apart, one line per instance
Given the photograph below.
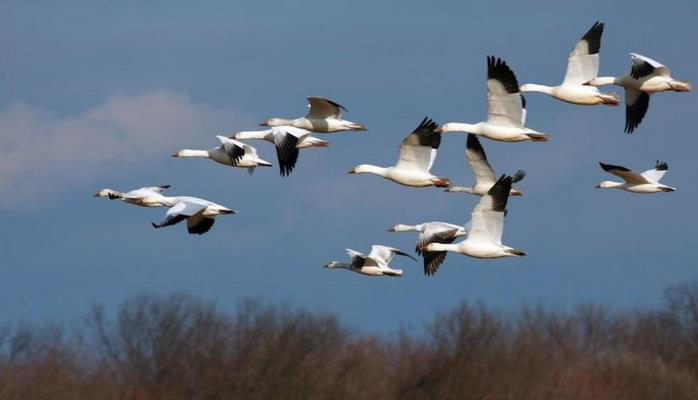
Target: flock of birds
x=506 y=117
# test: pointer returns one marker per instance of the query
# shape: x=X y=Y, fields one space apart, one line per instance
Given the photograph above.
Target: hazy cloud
x=42 y=151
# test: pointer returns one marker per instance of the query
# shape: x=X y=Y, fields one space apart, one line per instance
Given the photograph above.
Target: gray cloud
x=42 y=151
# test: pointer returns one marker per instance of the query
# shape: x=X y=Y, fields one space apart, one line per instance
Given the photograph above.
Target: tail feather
x=357 y=127
x=516 y=252
x=538 y=137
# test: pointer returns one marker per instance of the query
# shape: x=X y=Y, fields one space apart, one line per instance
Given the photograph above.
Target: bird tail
x=516 y=252
x=393 y=272
x=357 y=127
x=262 y=163
x=681 y=86
x=441 y=182
x=538 y=137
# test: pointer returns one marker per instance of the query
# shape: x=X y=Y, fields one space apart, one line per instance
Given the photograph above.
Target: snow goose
x=151 y=196
x=231 y=152
x=646 y=182
x=484 y=175
x=582 y=66
x=646 y=77
x=324 y=116
x=484 y=238
x=506 y=109
x=199 y=214
x=417 y=155
x=432 y=232
x=287 y=140
x=373 y=264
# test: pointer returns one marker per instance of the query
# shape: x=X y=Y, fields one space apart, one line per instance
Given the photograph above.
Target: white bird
x=645 y=182
x=484 y=238
x=150 y=196
x=506 y=109
x=287 y=140
x=582 y=66
x=432 y=232
x=231 y=152
x=373 y=264
x=417 y=155
x=199 y=214
x=484 y=175
x=324 y=116
x=646 y=76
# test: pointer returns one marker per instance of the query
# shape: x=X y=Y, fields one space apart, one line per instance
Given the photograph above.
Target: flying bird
x=287 y=140
x=324 y=116
x=432 y=232
x=484 y=239
x=198 y=213
x=231 y=152
x=646 y=76
x=376 y=263
x=645 y=182
x=484 y=174
x=417 y=155
x=151 y=196
x=506 y=109
x=582 y=66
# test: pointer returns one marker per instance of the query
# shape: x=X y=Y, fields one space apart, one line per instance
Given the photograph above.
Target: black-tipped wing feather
x=636 y=105
x=593 y=37
x=287 y=153
x=199 y=226
x=424 y=135
x=500 y=193
x=498 y=69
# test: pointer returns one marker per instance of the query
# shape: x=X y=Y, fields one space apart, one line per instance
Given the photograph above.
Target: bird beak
x=175 y=154
x=351 y=171
x=391 y=230
x=96 y=194
x=439 y=130
x=233 y=137
x=265 y=123
x=598 y=186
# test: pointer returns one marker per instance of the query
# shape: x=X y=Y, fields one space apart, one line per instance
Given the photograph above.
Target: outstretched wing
x=179 y=212
x=636 y=105
x=656 y=173
x=285 y=140
x=624 y=173
x=385 y=254
x=487 y=219
x=583 y=61
x=418 y=149
x=504 y=101
x=644 y=66
x=233 y=148
x=321 y=108
x=435 y=233
x=477 y=160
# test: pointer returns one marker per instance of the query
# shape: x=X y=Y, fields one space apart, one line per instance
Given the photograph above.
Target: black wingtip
x=661 y=166
x=499 y=70
x=593 y=37
x=518 y=176
x=156 y=226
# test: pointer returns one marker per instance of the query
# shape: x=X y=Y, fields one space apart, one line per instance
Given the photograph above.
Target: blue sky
x=99 y=94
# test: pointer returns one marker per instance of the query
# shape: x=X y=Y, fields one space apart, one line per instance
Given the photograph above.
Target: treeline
x=179 y=347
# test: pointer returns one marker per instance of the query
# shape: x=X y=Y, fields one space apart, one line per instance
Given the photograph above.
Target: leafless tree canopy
x=180 y=347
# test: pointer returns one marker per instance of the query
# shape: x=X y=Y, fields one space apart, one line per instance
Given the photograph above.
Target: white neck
x=194 y=153
x=371 y=169
x=602 y=80
x=253 y=134
x=532 y=87
x=407 y=228
x=462 y=189
x=460 y=127
x=443 y=247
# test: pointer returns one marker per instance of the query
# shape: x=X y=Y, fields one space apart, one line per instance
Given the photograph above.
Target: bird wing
x=156 y=189
x=321 y=108
x=477 y=160
x=234 y=149
x=435 y=233
x=504 y=101
x=656 y=173
x=285 y=141
x=583 y=61
x=624 y=173
x=418 y=149
x=636 y=105
x=357 y=259
x=179 y=212
x=643 y=66
x=385 y=254
x=487 y=219
x=198 y=224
